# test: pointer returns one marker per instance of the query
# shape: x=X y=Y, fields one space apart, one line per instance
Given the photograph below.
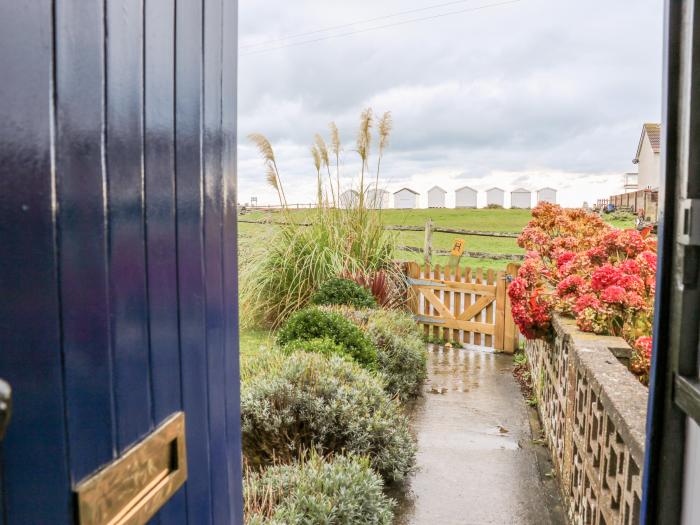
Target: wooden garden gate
x=464 y=305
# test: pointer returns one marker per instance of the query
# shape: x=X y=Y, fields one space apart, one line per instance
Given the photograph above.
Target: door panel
x=118 y=223
x=29 y=294
x=82 y=235
x=159 y=162
x=127 y=265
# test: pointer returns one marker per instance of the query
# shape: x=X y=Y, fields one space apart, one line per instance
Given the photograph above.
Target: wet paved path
x=477 y=460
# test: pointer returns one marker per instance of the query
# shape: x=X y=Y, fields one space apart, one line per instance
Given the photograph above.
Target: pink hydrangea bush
x=579 y=266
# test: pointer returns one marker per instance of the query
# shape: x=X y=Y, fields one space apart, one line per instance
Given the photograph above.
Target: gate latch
x=5 y=406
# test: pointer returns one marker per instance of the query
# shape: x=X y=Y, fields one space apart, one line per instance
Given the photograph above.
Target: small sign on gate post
x=456 y=253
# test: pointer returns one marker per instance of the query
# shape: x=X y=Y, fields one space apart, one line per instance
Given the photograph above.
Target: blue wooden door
x=118 y=232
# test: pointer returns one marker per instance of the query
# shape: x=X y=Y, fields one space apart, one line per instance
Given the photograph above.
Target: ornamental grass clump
x=346 y=238
x=579 y=266
x=328 y=405
x=315 y=323
x=343 y=490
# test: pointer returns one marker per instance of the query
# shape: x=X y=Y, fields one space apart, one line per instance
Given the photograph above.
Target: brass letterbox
x=130 y=490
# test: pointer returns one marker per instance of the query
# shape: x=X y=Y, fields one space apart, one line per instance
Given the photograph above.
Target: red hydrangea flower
x=570 y=284
x=614 y=294
x=647 y=261
x=630 y=266
x=565 y=258
x=605 y=276
x=644 y=345
x=589 y=300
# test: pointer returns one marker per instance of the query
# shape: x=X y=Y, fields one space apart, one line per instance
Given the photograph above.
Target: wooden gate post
x=510 y=339
x=413 y=272
x=500 y=311
x=428 y=244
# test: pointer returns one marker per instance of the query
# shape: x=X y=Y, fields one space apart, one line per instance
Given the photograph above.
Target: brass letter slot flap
x=130 y=490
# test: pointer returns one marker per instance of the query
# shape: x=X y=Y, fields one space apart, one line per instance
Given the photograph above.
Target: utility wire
x=358 y=22
x=385 y=26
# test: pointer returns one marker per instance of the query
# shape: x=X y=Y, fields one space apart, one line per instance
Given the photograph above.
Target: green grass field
x=253 y=342
x=499 y=220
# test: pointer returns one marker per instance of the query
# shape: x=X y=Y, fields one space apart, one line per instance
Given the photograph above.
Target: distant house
x=547 y=195
x=648 y=157
x=495 y=197
x=520 y=198
x=349 y=199
x=436 y=197
x=378 y=198
x=465 y=197
x=405 y=198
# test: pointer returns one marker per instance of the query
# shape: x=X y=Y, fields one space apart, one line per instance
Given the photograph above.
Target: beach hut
x=495 y=197
x=436 y=197
x=378 y=198
x=349 y=199
x=547 y=195
x=465 y=197
x=520 y=198
x=405 y=198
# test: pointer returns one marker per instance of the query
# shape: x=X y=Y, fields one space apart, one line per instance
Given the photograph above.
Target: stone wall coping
x=619 y=389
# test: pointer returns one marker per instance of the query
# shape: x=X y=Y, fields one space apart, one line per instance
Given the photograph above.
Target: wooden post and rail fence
x=427 y=247
x=464 y=306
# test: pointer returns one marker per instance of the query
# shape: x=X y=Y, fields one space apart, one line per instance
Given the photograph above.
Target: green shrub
x=343 y=291
x=314 y=323
x=401 y=355
x=330 y=405
x=324 y=346
x=342 y=491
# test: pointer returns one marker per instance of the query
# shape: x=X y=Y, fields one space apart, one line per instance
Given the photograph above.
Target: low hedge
x=343 y=291
x=315 y=323
x=324 y=346
x=401 y=355
x=340 y=491
x=308 y=401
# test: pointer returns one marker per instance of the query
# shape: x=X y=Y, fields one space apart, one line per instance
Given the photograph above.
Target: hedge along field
x=496 y=220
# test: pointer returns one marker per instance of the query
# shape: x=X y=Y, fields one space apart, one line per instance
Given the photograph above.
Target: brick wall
x=593 y=412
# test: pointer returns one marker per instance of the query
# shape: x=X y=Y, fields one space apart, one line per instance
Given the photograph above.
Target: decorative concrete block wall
x=593 y=411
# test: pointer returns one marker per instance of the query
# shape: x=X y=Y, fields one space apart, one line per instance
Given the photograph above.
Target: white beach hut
x=547 y=195
x=465 y=197
x=349 y=199
x=436 y=197
x=520 y=198
x=378 y=198
x=405 y=198
x=495 y=197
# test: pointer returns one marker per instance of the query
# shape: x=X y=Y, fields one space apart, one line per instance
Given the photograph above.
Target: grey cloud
x=534 y=87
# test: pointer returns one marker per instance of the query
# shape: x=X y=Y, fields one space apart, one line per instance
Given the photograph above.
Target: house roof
x=380 y=190
x=350 y=192
x=407 y=189
x=494 y=188
x=547 y=188
x=465 y=188
x=653 y=131
x=521 y=190
x=437 y=188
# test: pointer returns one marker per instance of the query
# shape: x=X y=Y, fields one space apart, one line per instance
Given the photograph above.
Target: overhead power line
x=375 y=28
x=356 y=23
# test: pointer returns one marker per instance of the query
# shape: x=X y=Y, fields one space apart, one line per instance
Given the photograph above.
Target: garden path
x=477 y=460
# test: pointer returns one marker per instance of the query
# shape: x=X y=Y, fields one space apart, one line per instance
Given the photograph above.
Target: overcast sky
x=526 y=93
